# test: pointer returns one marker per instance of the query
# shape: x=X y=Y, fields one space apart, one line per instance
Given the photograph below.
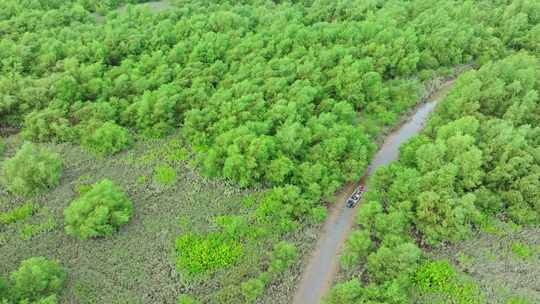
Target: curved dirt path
x=324 y=262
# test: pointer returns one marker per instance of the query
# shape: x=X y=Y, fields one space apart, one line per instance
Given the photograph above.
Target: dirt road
x=323 y=264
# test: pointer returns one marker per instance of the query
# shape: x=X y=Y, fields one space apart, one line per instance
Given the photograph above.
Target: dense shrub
x=107 y=139
x=32 y=170
x=98 y=212
x=37 y=278
x=388 y=263
x=253 y=110
x=46 y=125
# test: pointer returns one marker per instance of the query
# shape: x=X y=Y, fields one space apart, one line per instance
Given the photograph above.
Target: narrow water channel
x=323 y=264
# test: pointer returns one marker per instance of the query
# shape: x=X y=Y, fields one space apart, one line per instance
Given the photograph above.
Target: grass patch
x=18 y=214
x=505 y=265
x=522 y=251
x=164 y=175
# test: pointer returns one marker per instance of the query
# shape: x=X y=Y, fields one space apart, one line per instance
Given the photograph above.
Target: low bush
x=521 y=250
x=107 y=139
x=37 y=279
x=32 y=170
x=282 y=257
x=17 y=214
x=252 y=289
x=98 y=212
x=164 y=175
x=203 y=254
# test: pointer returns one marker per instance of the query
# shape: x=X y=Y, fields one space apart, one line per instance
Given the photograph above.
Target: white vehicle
x=356 y=196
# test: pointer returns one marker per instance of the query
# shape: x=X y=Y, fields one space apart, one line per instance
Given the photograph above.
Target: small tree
x=98 y=212
x=37 y=278
x=32 y=170
x=107 y=139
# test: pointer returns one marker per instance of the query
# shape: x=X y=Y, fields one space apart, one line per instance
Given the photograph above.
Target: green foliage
x=46 y=125
x=18 y=214
x=52 y=299
x=201 y=255
x=434 y=276
x=107 y=139
x=517 y=300
x=357 y=247
x=268 y=94
x=185 y=299
x=256 y=114
x=164 y=175
x=392 y=292
x=2 y=146
x=318 y=215
x=281 y=208
x=32 y=170
x=252 y=289
x=521 y=250
x=3 y=290
x=282 y=257
x=388 y=263
x=477 y=159
x=98 y=212
x=438 y=278
x=36 y=279
x=29 y=231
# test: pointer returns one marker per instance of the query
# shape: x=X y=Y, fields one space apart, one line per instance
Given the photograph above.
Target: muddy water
x=323 y=264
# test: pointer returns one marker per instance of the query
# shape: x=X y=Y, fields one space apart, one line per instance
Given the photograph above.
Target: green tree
x=98 y=212
x=32 y=170
x=36 y=278
x=107 y=139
